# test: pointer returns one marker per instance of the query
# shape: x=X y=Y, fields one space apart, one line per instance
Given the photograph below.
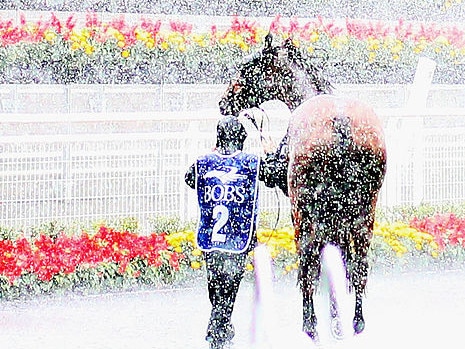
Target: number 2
x=221 y=215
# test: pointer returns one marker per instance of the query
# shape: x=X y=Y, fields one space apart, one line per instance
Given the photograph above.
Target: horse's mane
x=296 y=56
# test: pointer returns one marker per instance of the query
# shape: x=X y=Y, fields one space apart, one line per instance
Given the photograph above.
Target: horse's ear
x=290 y=49
x=288 y=44
x=268 y=42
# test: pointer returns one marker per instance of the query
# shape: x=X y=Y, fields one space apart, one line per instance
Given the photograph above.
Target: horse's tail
x=342 y=133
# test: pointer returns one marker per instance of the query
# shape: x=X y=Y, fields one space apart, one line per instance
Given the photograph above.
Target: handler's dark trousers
x=224 y=274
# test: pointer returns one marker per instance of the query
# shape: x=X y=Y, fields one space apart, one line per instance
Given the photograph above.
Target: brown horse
x=335 y=160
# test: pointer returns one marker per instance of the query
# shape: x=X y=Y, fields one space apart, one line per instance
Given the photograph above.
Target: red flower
x=183 y=28
x=276 y=26
x=150 y=27
x=92 y=20
x=47 y=257
x=447 y=229
x=174 y=260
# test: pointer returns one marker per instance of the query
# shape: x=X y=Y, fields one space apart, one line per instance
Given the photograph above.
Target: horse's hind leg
x=359 y=321
x=336 y=324
x=360 y=275
x=309 y=273
x=309 y=270
x=308 y=311
x=307 y=276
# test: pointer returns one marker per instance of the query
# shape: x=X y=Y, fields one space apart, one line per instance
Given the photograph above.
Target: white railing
x=87 y=167
x=32 y=99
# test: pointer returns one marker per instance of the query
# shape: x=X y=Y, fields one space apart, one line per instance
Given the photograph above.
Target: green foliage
x=407 y=212
x=51 y=229
x=169 y=224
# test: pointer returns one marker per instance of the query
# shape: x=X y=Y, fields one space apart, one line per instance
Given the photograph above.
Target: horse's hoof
x=359 y=325
x=311 y=332
x=313 y=336
x=336 y=328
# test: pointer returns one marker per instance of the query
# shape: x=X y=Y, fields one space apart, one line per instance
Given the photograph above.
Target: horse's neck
x=304 y=87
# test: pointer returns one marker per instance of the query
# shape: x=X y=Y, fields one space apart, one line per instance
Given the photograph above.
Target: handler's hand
x=268 y=145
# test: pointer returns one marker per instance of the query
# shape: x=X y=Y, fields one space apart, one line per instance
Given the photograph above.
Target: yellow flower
x=89 y=49
x=178 y=249
x=188 y=236
x=74 y=37
x=249 y=267
x=142 y=35
x=442 y=40
x=85 y=33
x=164 y=45
x=398 y=46
x=314 y=36
x=195 y=265
x=121 y=43
x=50 y=36
x=371 y=57
x=125 y=53
x=200 y=40
x=243 y=46
x=418 y=49
x=150 y=44
x=176 y=39
x=119 y=36
x=196 y=252
x=340 y=41
x=373 y=44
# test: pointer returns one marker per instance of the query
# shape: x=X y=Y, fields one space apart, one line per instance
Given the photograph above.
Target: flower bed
x=109 y=258
x=155 y=51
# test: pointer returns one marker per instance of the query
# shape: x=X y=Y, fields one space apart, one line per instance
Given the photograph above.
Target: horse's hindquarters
x=336 y=146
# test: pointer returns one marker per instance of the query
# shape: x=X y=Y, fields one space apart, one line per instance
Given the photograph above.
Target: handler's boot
x=220 y=345
x=220 y=337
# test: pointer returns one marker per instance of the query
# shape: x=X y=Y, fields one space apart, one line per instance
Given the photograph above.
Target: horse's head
x=273 y=73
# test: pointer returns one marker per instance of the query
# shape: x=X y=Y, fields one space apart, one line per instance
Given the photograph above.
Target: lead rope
x=251 y=117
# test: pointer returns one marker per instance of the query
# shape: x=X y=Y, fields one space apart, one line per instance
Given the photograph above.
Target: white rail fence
x=90 y=166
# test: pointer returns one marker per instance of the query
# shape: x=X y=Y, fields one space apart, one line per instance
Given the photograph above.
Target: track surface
x=410 y=310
